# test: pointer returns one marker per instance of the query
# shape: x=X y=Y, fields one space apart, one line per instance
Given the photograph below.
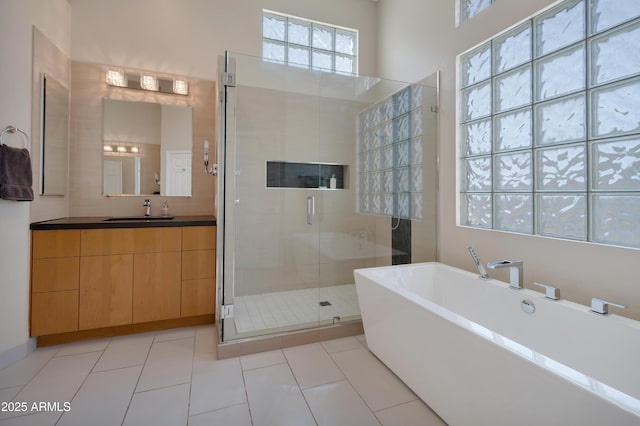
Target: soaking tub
x=469 y=350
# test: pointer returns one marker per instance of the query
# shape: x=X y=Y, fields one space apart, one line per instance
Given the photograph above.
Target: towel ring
x=13 y=129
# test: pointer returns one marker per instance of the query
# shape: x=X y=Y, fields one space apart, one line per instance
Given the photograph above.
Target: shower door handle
x=311 y=209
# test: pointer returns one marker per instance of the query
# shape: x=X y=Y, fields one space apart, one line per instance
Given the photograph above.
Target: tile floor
x=172 y=377
x=282 y=310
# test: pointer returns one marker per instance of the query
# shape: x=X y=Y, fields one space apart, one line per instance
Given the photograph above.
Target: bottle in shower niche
x=332 y=182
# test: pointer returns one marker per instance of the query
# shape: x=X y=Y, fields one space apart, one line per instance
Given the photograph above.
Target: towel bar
x=13 y=129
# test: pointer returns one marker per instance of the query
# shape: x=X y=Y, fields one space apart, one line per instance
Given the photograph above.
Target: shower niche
x=285 y=174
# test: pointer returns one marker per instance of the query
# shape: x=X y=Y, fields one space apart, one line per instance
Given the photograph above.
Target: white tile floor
x=173 y=378
x=279 y=311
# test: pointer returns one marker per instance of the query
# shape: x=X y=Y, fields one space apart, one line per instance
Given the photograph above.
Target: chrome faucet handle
x=550 y=292
x=601 y=306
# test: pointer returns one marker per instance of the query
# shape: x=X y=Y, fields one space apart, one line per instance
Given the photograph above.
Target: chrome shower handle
x=311 y=209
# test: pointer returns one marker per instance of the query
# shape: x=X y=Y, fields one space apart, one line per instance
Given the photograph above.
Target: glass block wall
x=550 y=125
x=389 y=152
x=470 y=8
x=310 y=44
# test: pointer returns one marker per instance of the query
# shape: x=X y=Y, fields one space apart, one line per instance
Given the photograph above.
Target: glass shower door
x=271 y=221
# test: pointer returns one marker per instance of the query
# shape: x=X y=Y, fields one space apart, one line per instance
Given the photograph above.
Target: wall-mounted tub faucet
x=550 y=292
x=483 y=272
x=600 y=306
x=515 y=271
x=147 y=206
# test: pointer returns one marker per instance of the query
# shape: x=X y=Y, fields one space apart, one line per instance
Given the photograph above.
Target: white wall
x=186 y=36
x=52 y=17
x=418 y=37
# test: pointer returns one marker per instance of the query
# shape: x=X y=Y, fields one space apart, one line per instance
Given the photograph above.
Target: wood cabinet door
x=156 y=286
x=54 y=312
x=198 y=297
x=106 y=291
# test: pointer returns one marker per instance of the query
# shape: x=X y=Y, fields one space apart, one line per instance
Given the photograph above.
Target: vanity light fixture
x=180 y=86
x=134 y=149
x=146 y=80
x=108 y=148
x=149 y=82
x=122 y=149
x=116 y=77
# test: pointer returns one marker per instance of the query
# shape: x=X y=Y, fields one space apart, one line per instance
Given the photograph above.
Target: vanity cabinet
x=90 y=279
x=55 y=281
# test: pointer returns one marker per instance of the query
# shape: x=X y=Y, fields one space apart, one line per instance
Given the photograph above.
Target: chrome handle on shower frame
x=311 y=209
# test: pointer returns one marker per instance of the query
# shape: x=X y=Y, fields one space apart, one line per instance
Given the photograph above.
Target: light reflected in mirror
x=55 y=137
x=147 y=148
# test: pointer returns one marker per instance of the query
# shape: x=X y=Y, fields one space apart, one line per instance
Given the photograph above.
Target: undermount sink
x=128 y=219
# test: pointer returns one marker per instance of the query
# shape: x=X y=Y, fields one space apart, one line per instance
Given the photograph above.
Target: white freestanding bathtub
x=466 y=347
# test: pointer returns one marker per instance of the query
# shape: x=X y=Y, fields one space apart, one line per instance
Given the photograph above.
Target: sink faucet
x=515 y=271
x=147 y=205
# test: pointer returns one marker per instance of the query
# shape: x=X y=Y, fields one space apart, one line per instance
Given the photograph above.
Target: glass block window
x=309 y=44
x=389 y=153
x=470 y=8
x=549 y=125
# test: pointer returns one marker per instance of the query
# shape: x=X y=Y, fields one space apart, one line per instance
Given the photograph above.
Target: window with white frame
x=300 y=42
x=549 y=125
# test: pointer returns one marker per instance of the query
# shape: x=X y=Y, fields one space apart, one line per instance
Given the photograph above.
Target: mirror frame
x=54 y=136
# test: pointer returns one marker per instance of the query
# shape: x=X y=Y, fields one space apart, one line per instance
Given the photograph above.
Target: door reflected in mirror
x=147 y=148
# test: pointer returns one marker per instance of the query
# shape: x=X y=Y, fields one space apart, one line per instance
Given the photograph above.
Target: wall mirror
x=54 y=142
x=147 y=148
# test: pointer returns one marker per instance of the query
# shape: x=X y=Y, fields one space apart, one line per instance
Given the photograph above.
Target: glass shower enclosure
x=319 y=174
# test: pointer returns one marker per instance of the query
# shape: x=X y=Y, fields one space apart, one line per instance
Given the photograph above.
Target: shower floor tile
x=282 y=310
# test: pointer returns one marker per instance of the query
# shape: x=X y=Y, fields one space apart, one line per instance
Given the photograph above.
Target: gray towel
x=15 y=174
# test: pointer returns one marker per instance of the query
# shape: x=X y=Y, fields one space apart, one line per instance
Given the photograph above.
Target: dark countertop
x=101 y=222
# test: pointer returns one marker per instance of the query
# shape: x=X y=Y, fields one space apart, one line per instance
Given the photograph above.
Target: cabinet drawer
x=198 y=264
x=54 y=274
x=54 y=312
x=56 y=243
x=107 y=241
x=199 y=238
x=153 y=240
